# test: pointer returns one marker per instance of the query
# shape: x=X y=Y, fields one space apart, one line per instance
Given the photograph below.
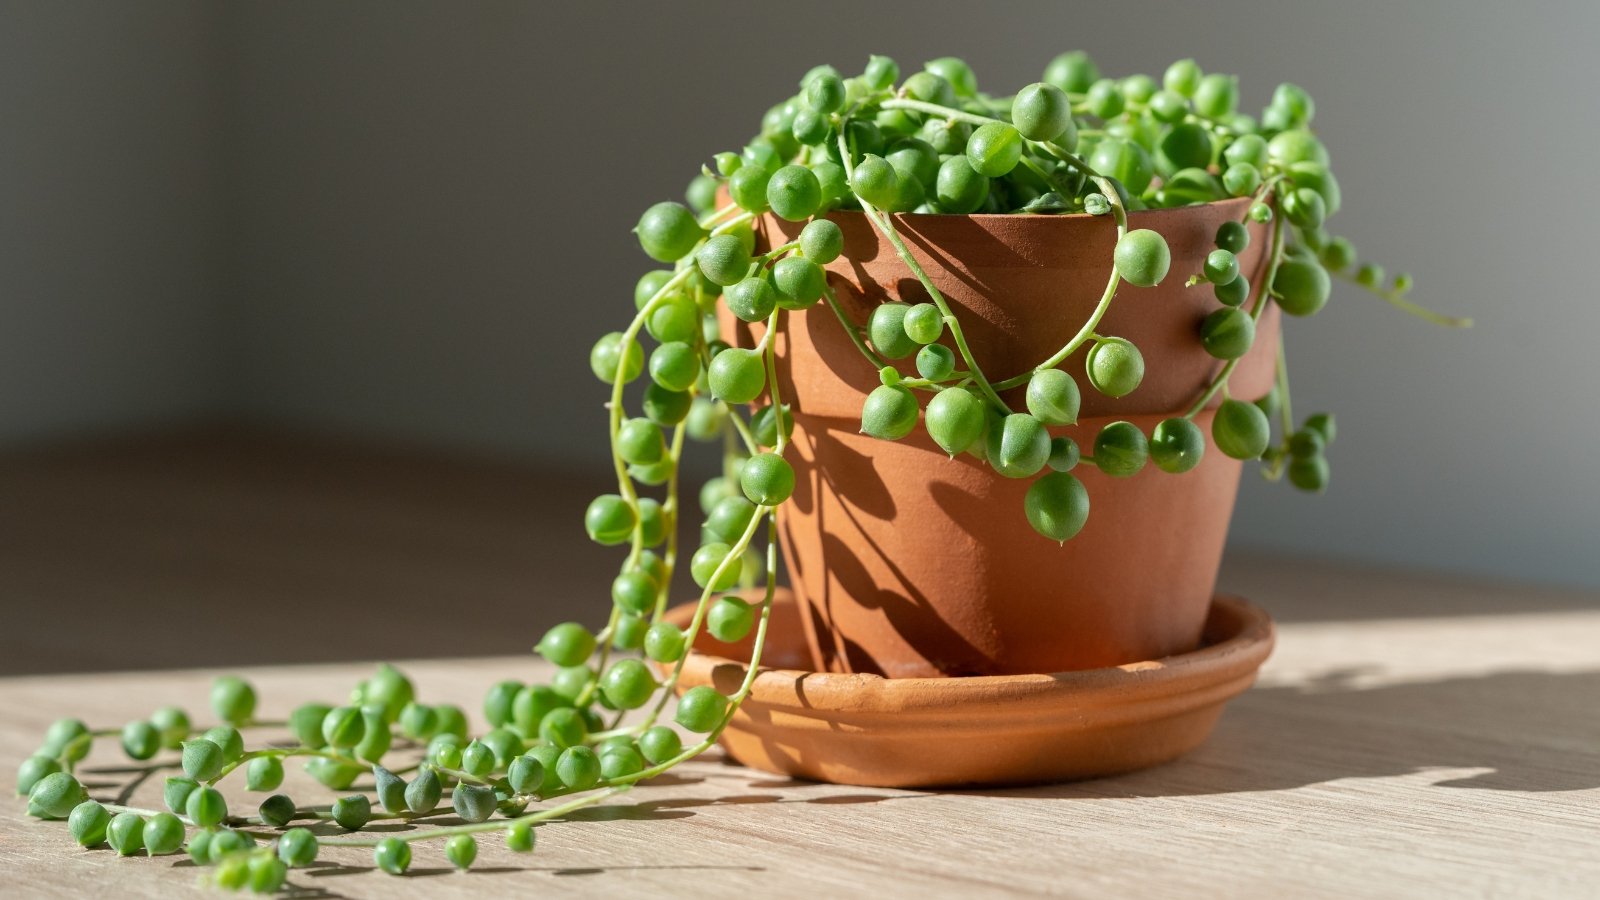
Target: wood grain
x=1451 y=757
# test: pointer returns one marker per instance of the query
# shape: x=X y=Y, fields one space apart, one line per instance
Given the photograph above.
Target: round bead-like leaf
x=1057 y=505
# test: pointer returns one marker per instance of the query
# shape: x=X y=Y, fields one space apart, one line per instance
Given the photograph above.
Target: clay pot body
x=907 y=563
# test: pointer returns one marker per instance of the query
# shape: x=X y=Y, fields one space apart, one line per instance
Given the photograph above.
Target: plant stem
x=280 y=753
x=751 y=671
x=958 y=115
x=1274 y=258
x=1285 y=410
x=478 y=827
x=669 y=517
x=603 y=639
x=325 y=813
x=773 y=396
x=468 y=777
x=141 y=811
x=886 y=225
x=1046 y=176
x=775 y=252
x=625 y=483
x=1274 y=470
x=741 y=430
x=1399 y=301
x=732 y=223
x=736 y=552
x=850 y=329
x=711 y=217
x=926 y=384
x=1120 y=217
x=1106 y=187
x=761 y=626
x=1084 y=334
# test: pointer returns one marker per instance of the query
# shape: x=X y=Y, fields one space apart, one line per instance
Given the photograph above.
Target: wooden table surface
x=1413 y=736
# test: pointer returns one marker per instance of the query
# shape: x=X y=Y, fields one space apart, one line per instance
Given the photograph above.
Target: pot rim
x=1063 y=217
x=1241 y=637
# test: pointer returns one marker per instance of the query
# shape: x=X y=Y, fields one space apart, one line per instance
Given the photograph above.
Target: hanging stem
x=1088 y=330
x=669 y=517
x=732 y=223
x=736 y=552
x=850 y=329
x=751 y=670
x=1275 y=257
x=1285 y=410
x=273 y=752
x=935 y=109
x=709 y=219
x=885 y=224
x=115 y=808
x=1274 y=469
x=1399 y=301
x=761 y=626
x=544 y=815
x=1106 y=187
x=603 y=642
x=624 y=482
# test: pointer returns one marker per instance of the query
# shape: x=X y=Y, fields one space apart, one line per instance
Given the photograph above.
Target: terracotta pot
x=1003 y=729
x=907 y=563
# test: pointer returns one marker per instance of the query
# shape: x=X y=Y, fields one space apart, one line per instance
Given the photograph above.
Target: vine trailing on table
x=932 y=143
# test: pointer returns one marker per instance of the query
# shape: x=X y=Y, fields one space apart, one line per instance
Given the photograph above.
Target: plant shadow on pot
x=971 y=238
x=1534 y=732
x=904 y=610
x=912 y=564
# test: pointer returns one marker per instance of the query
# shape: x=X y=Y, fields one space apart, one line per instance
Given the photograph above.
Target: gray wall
x=428 y=210
x=111 y=215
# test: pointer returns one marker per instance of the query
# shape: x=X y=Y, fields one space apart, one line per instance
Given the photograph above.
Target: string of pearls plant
x=931 y=143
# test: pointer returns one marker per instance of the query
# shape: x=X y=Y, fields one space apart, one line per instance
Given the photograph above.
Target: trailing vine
x=1074 y=143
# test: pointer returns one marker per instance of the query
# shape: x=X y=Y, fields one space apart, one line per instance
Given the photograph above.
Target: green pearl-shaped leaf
x=87 y=822
x=472 y=802
x=889 y=413
x=1057 y=505
x=202 y=759
x=391 y=789
x=424 y=791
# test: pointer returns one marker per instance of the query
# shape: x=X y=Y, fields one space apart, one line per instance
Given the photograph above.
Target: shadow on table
x=679 y=807
x=304 y=885
x=1534 y=732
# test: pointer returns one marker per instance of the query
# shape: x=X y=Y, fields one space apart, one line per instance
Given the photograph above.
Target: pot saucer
x=984 y=730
